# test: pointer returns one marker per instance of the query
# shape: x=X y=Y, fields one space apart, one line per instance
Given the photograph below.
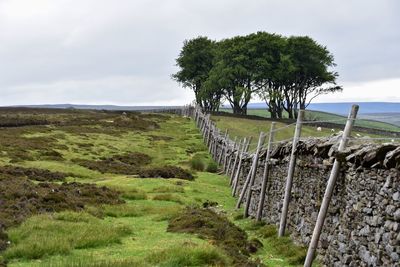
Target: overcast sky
x=123 y=52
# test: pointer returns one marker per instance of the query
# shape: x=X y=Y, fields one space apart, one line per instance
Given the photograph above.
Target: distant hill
x=343 y=108
x=96 y=107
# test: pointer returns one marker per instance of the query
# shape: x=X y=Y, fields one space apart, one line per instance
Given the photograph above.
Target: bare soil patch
x=41 y=175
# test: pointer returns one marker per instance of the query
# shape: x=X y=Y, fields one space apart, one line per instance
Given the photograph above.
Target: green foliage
x=287 y=72
x=59 y=234
x=212 y=166
x=195 y=61
x=197 y=162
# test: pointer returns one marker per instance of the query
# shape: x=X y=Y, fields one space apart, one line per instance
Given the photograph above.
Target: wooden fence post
x=236 y=177
x=252 y=171
x=209 y=139
x=266 y=172
x=252 y=178
x=289 y=179
x=228 y=158
x=238 y=149
x=223 y=147
x=329 y=189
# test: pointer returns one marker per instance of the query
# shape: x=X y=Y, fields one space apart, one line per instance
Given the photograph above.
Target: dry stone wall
x=362 y=227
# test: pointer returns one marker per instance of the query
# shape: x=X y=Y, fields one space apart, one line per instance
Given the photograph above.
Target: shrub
x=197 y=164
x=166 y=172
x=212 y=167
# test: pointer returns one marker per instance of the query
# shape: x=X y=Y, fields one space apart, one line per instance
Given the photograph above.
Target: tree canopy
x=286 y=72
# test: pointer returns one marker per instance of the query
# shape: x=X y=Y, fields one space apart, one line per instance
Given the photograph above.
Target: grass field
x=325 y=116
x=242 y=127
x=85 y=147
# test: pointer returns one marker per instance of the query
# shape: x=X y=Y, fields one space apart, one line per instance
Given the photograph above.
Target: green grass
x=242 y=127
x=46 y=235
x=325 y=116
x=134 y=233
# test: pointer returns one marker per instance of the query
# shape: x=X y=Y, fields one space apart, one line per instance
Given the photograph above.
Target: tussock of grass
x=59 y=234
x=212 y=166
x=129 y=210
x=197 y=163
x=168 y=197
x=191 y=255
x=283 y=245
x=167 y=213
x=254 y=225
x=168 y=189
x=134 y=194
x=125 y=210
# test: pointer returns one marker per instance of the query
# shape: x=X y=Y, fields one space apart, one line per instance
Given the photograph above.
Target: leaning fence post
x=223 y=147
x=289 y=179
x=235 y=158
x=228 y=158
x=236 y=177
x=238 y=149
x=266 y=172
x=329 y=188
x=250 y=177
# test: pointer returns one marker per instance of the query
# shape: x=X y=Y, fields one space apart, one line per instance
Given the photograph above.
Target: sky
x=123 y=52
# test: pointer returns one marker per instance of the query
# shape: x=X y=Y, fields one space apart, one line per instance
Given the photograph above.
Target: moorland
x=114 y=188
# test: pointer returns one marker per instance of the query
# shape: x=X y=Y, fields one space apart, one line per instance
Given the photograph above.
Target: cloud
x=68 y=47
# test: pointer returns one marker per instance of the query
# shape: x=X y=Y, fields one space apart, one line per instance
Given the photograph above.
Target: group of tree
x=286 y=72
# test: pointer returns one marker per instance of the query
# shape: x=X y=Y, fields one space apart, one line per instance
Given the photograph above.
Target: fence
x=267 y=179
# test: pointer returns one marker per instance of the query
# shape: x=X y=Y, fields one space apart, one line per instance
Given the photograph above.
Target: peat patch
x=128 y=164
x=41 y=175
x=166 y=172
x=207 y=224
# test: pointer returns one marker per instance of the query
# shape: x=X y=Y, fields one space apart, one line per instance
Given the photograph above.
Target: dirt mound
x=128 y=164
x=166 y=172
x=209 y=225
x=41 y=175
x=21 y=198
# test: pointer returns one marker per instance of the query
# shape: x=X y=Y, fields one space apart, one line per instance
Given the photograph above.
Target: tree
x=233 y=71
x=287 y=73
x=310 y=75
x=195 y=62
x=271 y=67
